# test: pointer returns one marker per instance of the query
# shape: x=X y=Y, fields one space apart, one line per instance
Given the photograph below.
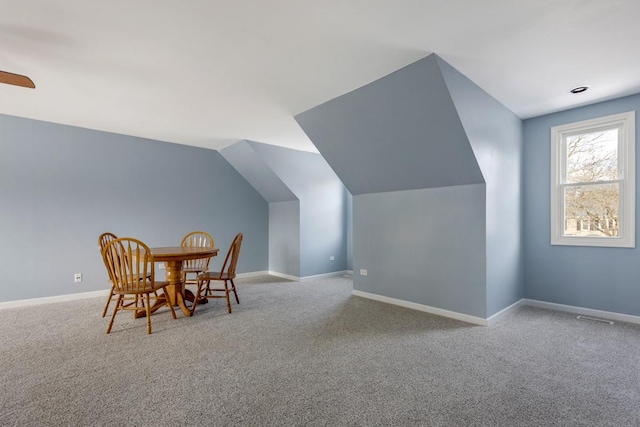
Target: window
x=593 y=182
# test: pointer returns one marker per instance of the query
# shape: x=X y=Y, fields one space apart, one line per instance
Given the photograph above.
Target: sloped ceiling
x=210 y=73
x=255 y=170
x=494 y=132
x=401 y=132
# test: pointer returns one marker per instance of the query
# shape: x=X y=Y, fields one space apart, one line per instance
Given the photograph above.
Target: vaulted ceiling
x=210 y=73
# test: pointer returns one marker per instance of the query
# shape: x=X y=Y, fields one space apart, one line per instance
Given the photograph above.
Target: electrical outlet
x=332 y=258
x=77 y=278
x=363 y=272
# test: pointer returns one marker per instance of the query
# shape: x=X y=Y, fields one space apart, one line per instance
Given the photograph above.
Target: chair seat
x=192 y=270
x=148 y=287
x=147 y=277
x=216 y=275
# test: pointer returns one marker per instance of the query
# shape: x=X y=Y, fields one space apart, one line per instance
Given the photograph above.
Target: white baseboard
x=284 y=276
x=252 y=274
x=325 y=275
x=48 y=300
x=420 y=307
x=505 y=310
x=609 y=315
x=316 y=276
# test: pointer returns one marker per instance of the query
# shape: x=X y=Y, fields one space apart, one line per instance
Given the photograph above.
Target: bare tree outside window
x=592 y=193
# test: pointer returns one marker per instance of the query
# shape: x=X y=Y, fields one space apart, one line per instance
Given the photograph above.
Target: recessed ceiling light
x=579 y=89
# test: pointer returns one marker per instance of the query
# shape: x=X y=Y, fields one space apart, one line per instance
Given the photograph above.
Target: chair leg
x=135 y=304
x=233 y=288
x=196 y=297
x=115 y=310
x=147 y=306
x=226 y=293
x=173 y=312
x=106 y=306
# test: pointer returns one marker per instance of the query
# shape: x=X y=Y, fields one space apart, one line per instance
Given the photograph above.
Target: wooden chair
x=131 y=268
x=198 y=266
x=225 y=275
x=103 y=240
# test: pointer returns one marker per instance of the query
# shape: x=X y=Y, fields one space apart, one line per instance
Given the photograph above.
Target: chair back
x=105 y=238
x=129 y=263
x=230 y=262
x=197 y=239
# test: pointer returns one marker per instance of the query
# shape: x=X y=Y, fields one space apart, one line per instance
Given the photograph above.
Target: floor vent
x=595 y=319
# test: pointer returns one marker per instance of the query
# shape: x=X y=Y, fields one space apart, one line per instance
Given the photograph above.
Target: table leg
x=175 y=290
x=176 y=287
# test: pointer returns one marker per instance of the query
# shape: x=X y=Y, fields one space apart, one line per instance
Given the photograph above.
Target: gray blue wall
x=323 y=209
x=349 y=226
x=429 y=234
x=495 y=134
x=599 y=278
x=284 y=238
x=284 y=207
x=424 y=246
x=389 y=142
x=62 y=186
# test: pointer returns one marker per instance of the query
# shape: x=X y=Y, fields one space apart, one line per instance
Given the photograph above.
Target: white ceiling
x=209 y=72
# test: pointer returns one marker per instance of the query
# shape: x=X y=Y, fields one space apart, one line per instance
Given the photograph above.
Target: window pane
x=591 y=210
x=592 y=156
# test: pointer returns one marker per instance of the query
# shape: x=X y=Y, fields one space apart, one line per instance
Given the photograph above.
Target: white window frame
x=626 y=180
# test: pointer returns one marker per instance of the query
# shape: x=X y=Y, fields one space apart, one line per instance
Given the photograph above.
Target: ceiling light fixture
x=579 y=89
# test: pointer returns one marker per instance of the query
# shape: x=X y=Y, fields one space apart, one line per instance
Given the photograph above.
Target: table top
x=179 y=253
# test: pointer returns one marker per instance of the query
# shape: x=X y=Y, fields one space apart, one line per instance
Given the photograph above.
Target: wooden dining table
x=173 y=257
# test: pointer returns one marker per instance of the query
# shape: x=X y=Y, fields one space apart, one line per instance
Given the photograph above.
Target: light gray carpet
x=309 y=353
